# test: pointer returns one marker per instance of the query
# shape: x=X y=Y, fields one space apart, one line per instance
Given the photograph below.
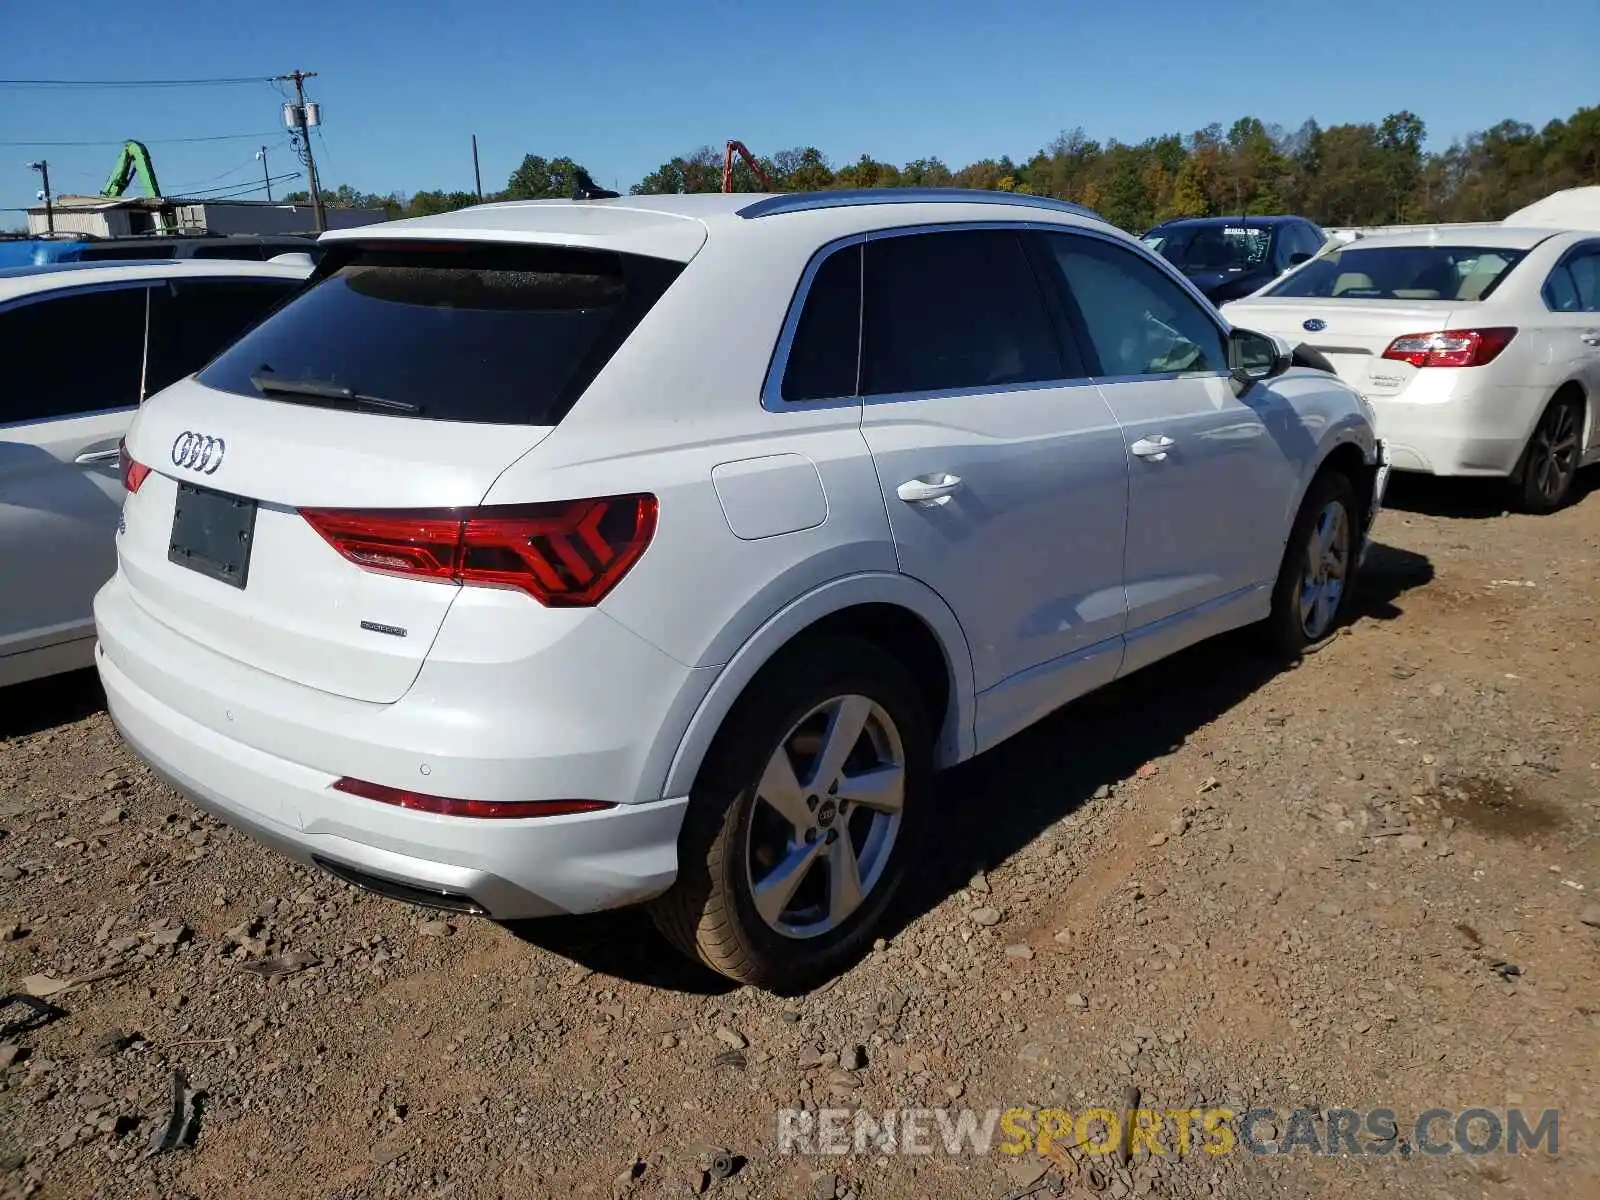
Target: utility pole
x=477 y=179
x=266 y=176
x=297 y=119
x=43 y=167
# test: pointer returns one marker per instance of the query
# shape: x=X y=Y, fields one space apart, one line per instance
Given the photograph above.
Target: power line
x=133 y=83
x=235 y=189
x=221 y=137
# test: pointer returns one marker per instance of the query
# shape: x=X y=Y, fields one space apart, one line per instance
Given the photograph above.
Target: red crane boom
x=750 y=161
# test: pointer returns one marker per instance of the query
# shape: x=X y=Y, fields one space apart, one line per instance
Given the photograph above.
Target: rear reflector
x=133 y=472
x=444 y=806
x=566 y=554
x=1452 y=348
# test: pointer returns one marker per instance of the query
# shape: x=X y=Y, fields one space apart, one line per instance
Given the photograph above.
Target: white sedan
x=1480 y=350
x=80 y=349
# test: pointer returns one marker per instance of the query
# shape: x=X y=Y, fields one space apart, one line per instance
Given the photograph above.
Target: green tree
x=541 y=179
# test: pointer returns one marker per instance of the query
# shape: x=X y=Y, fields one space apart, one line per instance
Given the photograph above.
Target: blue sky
x=622 y=86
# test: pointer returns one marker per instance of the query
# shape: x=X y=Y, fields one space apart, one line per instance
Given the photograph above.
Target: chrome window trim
x=855 y=197
x=772 y=386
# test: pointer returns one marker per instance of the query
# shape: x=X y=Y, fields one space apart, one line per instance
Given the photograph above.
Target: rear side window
x=193 y=319
x=1402 y=273
x=72 y=354
x=1585 y=270
x=506 y=335
x=827 y=340
x=960 y=309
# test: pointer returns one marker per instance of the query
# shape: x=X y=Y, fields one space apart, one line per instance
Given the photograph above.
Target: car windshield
x=1401 y=273
x=1211 y=247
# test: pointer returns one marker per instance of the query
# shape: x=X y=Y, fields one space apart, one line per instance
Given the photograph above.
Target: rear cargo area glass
x=493 y=334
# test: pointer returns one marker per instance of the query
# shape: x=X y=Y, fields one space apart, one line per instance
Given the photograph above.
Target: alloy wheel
x=1324 y=571
x=1553 y=453
x=826 y=814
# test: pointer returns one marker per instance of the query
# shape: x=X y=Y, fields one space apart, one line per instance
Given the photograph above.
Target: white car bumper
x=507 y=869
x=1450 y=422
x=263 y=753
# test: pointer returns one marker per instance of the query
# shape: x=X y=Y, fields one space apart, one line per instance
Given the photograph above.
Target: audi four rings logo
x=198 y=452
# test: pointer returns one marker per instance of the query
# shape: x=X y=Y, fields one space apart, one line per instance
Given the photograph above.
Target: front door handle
x=1590 y=337
x=929 y=489
x=97 y=456
x=1153 y=448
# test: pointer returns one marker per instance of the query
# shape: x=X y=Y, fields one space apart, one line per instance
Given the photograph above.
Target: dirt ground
x=1371 y=882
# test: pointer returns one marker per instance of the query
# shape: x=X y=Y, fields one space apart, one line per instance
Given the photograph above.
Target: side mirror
x=1254 y=357
x=1298 y=257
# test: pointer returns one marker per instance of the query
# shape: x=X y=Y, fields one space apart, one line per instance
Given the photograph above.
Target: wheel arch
x=905 y=616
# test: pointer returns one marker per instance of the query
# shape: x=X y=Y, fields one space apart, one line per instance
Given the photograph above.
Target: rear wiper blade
x=317 y=390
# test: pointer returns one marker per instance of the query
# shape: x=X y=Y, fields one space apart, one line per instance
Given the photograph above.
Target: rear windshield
x=506 y=335
x=1401 y=273
x=1211 y=247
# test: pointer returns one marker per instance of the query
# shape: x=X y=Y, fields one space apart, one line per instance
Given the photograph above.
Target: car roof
x=1489 y=237
x=676 y=226
x=1233 y=222
x=22 y=281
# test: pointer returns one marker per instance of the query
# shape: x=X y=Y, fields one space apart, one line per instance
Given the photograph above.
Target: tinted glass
x=1138 y=321
x=953 y=310
x=827 y=338
x=496 y=334
x=1561 y=292
x=192 y=320
x=125 y=252
x=1585 y=270
x=1402 y=273
x=1212 y=247
x=72 y=354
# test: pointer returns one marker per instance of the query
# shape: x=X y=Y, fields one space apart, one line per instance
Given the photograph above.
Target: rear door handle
x=97 y=456
x=1153 y=448
x=929 y=489
x=1590 y=337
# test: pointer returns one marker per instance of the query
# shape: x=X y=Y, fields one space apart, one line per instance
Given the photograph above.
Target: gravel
x=1364 y=881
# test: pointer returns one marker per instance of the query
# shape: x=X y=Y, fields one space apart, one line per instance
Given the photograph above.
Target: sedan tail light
x=566 y=554
x=1452 y=348
x=133 y=471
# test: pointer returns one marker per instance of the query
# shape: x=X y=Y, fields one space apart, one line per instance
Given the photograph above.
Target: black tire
x=1285 y=627
x=1549 y=466
x=710 y=912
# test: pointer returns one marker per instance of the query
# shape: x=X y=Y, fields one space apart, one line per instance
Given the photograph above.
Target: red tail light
x=1452 y=348
x=566 y=554
x=133 y=471
x=447 y=807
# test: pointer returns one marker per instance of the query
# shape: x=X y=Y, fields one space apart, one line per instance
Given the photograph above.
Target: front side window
x=1138 y=321
x=953 y=310
x=72 y=354
x=1402 y=273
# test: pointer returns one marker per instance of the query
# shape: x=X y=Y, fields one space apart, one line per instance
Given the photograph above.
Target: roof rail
x=846 y=197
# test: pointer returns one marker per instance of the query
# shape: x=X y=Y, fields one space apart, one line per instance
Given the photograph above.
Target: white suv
x=549 y=557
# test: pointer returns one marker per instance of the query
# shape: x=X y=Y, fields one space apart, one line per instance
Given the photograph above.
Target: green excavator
x=134 y=160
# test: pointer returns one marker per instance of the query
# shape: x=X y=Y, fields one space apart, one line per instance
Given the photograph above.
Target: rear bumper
x=1380 y=485
x=506 y=868
x=1452 y=424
